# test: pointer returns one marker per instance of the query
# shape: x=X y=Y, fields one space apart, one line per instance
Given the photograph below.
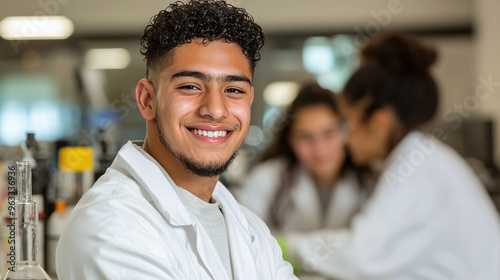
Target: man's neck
x=202 y=187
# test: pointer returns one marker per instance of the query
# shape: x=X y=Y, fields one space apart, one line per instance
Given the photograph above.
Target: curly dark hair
x=211 y=20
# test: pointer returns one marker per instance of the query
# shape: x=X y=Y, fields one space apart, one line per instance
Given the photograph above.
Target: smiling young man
x=159 y=212
x=198 y=112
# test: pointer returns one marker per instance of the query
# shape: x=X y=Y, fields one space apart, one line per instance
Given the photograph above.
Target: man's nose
x=213 y=105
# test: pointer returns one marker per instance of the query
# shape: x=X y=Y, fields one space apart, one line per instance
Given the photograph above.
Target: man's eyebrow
x=205 y=77
x=236 y=78
x=194 y=74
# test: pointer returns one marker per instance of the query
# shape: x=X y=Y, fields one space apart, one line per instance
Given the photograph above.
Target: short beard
x=191 y=165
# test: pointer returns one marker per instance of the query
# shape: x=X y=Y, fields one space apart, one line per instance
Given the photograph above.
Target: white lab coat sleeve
x=383 y=242
x=105 y=240
x=284 y=269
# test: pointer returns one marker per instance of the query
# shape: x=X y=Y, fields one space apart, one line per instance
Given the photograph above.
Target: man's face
x=203 y=102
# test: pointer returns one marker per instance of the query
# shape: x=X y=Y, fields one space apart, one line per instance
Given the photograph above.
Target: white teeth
x=212 y=134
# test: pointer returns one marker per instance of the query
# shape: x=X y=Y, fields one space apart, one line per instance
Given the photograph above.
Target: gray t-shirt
x=212 y=219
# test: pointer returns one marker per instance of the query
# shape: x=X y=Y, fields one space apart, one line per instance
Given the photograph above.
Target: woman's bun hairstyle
x=395 y=73
x=400 y=53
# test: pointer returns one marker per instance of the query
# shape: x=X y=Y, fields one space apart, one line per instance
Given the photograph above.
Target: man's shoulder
x=115 y=221
x=115 y=201
x=112 y=187
x=255 y=223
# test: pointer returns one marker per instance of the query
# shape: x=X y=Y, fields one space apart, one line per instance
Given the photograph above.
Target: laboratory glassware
x=25 y=218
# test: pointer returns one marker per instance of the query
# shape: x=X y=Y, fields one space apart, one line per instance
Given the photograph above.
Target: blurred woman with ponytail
x=428 y=217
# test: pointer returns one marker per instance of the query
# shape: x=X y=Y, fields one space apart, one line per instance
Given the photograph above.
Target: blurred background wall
x=78 y=89
x=55 y=88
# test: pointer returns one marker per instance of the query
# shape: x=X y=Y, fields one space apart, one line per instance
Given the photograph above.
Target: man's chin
x=206 y=169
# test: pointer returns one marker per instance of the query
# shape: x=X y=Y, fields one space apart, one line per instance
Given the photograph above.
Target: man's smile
x=211 y=134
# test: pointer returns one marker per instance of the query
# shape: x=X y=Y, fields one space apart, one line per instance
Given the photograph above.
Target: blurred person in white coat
x=159 y=211
x=429 y=217
x=305 y=180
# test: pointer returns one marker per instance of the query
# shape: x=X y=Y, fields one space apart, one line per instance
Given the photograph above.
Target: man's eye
x=234 y=90
x=189 y=87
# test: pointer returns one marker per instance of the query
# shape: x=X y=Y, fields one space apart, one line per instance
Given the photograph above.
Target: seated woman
x=305 y=180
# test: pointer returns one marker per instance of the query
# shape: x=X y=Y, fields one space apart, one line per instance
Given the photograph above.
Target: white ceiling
x=104 y=17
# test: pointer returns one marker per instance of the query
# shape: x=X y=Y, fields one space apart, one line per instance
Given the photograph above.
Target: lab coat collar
x=155 y=181
x=233 y=211
x=240 y=236
x=228 y=202
x=145 y=169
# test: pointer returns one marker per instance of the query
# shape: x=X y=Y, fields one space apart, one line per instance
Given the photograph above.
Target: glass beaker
x=26 y=243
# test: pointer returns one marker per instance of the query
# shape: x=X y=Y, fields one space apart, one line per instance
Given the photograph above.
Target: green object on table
x=283 y=242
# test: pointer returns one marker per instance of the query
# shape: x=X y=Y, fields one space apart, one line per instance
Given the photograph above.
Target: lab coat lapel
x=240 y=237
x=156 y=181
x=208 y=254
x=153 y=178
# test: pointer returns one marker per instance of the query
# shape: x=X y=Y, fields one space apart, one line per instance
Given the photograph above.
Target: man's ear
x=252 y=95
x=145 y=96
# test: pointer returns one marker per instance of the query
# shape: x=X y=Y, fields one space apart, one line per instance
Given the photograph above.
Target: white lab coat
x=132 y=225
x=429 y=218
x=260 y=187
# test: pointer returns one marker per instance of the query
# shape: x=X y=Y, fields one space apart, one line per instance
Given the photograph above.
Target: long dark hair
x=310 y=94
